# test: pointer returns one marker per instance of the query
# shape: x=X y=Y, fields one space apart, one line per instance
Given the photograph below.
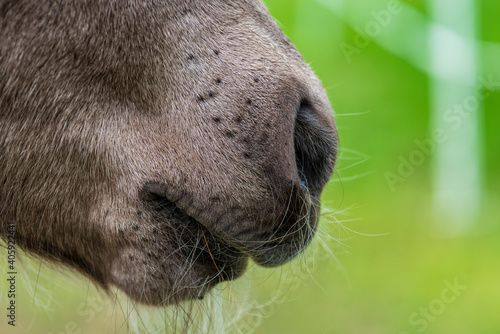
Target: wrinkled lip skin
x=230 y=257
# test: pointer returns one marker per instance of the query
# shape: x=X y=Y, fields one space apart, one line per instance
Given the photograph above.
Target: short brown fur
x=140 y=141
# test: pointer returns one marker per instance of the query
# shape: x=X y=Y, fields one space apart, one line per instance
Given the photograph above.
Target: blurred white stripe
x=407 y=35
x=456 y=109
x=446 y=49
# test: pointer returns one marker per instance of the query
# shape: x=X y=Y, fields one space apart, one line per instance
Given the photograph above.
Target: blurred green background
x=410 y=238
x=395 y=72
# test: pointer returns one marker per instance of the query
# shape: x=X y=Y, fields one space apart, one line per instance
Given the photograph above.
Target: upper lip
x=275 y=249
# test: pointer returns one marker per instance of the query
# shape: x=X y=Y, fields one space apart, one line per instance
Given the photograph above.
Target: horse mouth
x=225 y=254
x=213 y=256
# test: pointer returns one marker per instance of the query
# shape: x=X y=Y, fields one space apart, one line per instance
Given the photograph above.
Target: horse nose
x=315 y=148
x=315 y=143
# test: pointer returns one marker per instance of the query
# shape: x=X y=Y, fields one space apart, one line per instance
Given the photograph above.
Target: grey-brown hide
x=156 y=145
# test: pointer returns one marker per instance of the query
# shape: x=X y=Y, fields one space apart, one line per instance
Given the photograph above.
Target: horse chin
x=192 y=260
x=184 y=272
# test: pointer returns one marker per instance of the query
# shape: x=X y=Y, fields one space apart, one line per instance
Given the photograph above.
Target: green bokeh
x=382 y=107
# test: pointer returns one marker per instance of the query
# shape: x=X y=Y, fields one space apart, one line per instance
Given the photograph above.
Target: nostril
x=315 y=148
x=304 y=112
x=299 y=141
